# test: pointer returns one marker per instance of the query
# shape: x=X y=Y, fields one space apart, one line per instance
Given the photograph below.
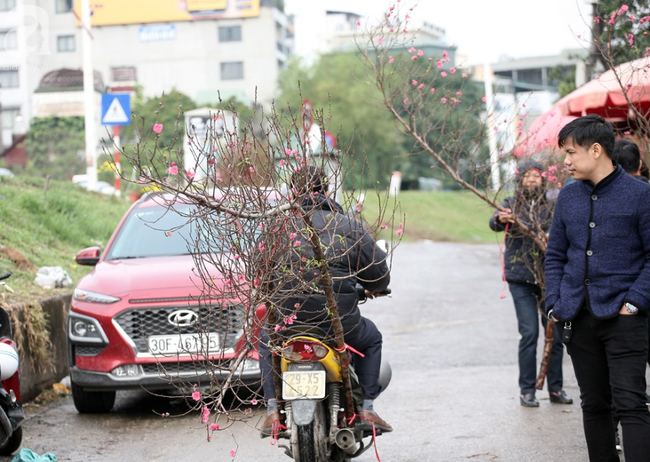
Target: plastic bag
x=27 y=455
x=50 y=277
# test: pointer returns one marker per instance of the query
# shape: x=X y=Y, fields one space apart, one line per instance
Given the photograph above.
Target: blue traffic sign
x=116 y=109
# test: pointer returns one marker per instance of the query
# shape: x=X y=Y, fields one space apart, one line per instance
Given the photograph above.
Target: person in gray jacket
x=523 y=264
x=598 y=287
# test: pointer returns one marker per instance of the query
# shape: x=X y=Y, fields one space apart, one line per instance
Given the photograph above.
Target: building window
x=8 y=79
x=6 y=5
x=124 y=74
x=9 y=117
x=230 y=34
x=8 y=40
x=65 y=43
x=232 y=71
x=63 y=6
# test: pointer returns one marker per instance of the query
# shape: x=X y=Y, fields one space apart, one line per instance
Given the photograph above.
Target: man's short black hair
x=587 y=130
x=307 y=180
x=627 y=154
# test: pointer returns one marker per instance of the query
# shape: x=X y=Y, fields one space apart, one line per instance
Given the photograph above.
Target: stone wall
x=32 y=381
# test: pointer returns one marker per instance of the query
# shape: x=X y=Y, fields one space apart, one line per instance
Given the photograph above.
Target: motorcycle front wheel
x=311 y=441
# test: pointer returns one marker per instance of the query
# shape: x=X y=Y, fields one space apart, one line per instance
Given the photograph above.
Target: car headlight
x=93 y=297
x=85 y=329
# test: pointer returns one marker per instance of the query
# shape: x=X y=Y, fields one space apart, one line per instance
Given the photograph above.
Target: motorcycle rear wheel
x=312 y=439
x=13 y=442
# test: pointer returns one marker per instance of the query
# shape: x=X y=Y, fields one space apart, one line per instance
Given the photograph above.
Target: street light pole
x=89 y=96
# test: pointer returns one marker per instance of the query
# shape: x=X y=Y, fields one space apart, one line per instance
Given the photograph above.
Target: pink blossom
x=413 y=58
x=359 y=206
x=420 y=52
x=420 y=87
x=596 y=20
x=157 y=127
x=443 y=100
x=251 y=169
x=215 y=426
x=405 y=101
x=261 y=246
x=196 y=396
x=297 y=243
x=190 y=174
x=380 y=40
x=443 y=74
x=623 y=9
x=444 y=54
x=254 y=402
x=433 y=90
x=464 y=75
x=559 y=185
x=459 y=93
x=390 y=59
x=440 y=63
x=206 y=414
x=399 y=231
x=173 y=170
x=414 y=82
x=232 y=453
x=411 y=50
x=484 y=99
x=358 y=23
x=292 y=236
x=452 y=70
x=281 y=163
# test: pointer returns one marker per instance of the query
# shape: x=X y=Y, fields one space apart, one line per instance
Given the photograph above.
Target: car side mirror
x=89 y=256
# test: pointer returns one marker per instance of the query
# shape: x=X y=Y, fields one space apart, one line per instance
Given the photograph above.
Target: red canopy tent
x=541 y=137
x=605 y=95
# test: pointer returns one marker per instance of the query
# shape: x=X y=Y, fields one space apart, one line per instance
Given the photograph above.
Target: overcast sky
x=484 y=30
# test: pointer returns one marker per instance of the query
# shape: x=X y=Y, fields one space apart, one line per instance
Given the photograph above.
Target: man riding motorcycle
x=353 y=258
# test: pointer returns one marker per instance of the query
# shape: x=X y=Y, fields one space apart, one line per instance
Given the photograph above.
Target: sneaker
x=528 y=400
x=377 y=421
x=619 y=448
x=559 y=397
x=273 y=419
x=647 y=399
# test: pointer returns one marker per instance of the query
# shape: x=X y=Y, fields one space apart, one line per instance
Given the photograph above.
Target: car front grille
x=140 y=323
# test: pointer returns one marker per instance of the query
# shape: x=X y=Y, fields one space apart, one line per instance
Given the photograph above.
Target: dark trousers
x=609 y=358
x=526 y=298
x=365 y=338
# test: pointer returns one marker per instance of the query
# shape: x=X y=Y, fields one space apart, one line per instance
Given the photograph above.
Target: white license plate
x=179 y=344
x=303 y=385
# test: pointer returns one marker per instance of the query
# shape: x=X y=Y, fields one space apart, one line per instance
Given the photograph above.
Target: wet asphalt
x=452 y=343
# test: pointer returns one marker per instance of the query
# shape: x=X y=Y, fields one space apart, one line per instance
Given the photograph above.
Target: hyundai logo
x=183 y=318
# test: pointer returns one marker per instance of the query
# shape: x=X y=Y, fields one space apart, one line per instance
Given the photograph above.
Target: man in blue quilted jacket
x=598 y=287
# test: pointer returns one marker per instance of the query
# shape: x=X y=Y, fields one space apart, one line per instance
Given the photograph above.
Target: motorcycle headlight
x=85 y=329
x=93 y=297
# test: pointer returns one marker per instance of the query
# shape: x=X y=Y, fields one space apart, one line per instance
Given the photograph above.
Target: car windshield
x=160 y=231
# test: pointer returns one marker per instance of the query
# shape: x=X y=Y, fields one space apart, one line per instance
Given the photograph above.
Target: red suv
x=141 y=320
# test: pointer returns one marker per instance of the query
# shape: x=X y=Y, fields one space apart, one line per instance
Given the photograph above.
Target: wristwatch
x=631 y=308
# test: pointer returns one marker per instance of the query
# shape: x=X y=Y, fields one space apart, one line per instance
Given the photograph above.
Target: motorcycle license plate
x=303 y=385
x=182 y=344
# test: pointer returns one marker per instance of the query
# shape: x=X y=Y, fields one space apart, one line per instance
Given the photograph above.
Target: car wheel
x=92 y=402
x=13 y=442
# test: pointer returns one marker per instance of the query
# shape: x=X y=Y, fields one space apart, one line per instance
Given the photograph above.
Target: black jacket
x=352 y=255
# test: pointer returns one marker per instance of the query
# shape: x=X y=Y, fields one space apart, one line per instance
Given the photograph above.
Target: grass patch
x=46 y=224
x=457 y=216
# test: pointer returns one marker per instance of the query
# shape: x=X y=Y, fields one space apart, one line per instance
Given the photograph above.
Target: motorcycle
x=312 y=388
x=12 y=413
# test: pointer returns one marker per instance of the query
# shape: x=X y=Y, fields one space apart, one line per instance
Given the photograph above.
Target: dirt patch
x=21 y=262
